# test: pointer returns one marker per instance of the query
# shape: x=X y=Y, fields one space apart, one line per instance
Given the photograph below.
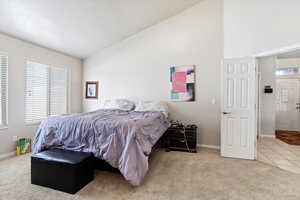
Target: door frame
x=268 y=53
x=259 y=100
x=258 y=81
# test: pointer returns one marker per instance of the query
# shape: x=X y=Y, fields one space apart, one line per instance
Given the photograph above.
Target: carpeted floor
x=172 y=176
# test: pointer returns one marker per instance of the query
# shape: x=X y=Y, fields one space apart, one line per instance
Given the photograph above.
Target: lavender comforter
x=124 y=139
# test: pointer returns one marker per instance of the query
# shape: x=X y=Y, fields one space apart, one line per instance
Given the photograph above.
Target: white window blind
x=3 y=89
x=58 y=91
x=46 y=92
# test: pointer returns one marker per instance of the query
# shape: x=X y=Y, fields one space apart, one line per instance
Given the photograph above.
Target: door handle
x=226 y=113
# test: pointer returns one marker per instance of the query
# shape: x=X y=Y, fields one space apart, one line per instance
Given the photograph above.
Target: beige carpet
x=172 y=175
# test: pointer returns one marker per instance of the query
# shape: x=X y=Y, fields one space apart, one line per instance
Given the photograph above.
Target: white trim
x=278 y=51
x=208 y=146
x=267 y=136
x=259 y=105
x=7 y=155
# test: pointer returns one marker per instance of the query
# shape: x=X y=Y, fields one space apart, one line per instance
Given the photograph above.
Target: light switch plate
x=213 y=101
x=15 y=138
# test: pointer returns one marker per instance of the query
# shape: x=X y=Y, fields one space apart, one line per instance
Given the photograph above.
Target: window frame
x=49 y=66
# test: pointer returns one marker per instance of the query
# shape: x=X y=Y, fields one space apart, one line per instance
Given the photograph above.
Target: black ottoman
x=63 y=170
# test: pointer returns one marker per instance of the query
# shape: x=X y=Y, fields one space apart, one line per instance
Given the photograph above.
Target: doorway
x=287 y=109
x=279 y=106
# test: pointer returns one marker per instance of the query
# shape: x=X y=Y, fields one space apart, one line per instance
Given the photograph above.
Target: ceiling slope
x=81 y=27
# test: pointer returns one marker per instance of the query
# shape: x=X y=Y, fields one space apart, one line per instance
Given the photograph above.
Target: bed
x=122 y=138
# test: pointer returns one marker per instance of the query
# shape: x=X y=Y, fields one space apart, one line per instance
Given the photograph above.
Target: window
x=58 y=91
x=287 y=71
x=46 y=92
x=3 y=89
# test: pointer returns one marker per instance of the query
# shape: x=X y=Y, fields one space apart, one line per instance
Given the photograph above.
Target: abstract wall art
x=182 y=82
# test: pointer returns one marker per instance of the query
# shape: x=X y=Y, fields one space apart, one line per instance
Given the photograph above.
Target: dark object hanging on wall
x=91 y=90
x=268 y=89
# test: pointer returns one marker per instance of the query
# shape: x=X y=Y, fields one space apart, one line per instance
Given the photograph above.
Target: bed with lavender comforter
x=124 y=139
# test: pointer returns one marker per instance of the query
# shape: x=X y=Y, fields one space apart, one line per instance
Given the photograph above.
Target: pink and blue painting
x=182 y=82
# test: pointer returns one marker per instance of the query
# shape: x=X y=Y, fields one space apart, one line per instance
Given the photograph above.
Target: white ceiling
x=81 y=27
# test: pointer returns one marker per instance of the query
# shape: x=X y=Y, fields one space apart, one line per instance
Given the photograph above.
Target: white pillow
x=152 y=106
x=122 y=104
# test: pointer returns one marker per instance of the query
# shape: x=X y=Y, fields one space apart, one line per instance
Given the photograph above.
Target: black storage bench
x=63 y=170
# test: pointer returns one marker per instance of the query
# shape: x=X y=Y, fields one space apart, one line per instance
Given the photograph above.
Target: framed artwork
x=91 y=90
x=182 y=83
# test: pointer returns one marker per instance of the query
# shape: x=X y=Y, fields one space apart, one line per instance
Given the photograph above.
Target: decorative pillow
x=152 y=106
x=122 y=104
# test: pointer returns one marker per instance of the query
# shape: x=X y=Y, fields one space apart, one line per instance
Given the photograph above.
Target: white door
x=238 y=121
x=287 y=109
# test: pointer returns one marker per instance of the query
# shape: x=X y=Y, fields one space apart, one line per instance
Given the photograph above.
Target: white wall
x=18 y=52
x=267 y=67
x=139 y=66
x=288 y=62
x=256 y=26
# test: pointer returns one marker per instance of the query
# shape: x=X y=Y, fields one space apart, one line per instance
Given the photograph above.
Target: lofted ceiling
x=81 y=27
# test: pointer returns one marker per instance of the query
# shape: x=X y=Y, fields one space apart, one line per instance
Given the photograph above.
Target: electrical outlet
x=15 y=138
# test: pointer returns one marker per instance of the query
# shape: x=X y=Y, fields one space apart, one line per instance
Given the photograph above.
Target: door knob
x=226 y=113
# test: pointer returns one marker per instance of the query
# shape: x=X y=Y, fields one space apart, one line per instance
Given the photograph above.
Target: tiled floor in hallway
x=277 y=153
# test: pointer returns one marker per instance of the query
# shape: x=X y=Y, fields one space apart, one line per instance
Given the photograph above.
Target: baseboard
x=267 y=136
x=208 y=146
x=7 y=155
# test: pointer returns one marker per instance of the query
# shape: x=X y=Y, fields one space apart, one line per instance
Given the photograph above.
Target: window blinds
x=36 y=98
x=3 y=89
x=46 y=92
x=58 y=91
